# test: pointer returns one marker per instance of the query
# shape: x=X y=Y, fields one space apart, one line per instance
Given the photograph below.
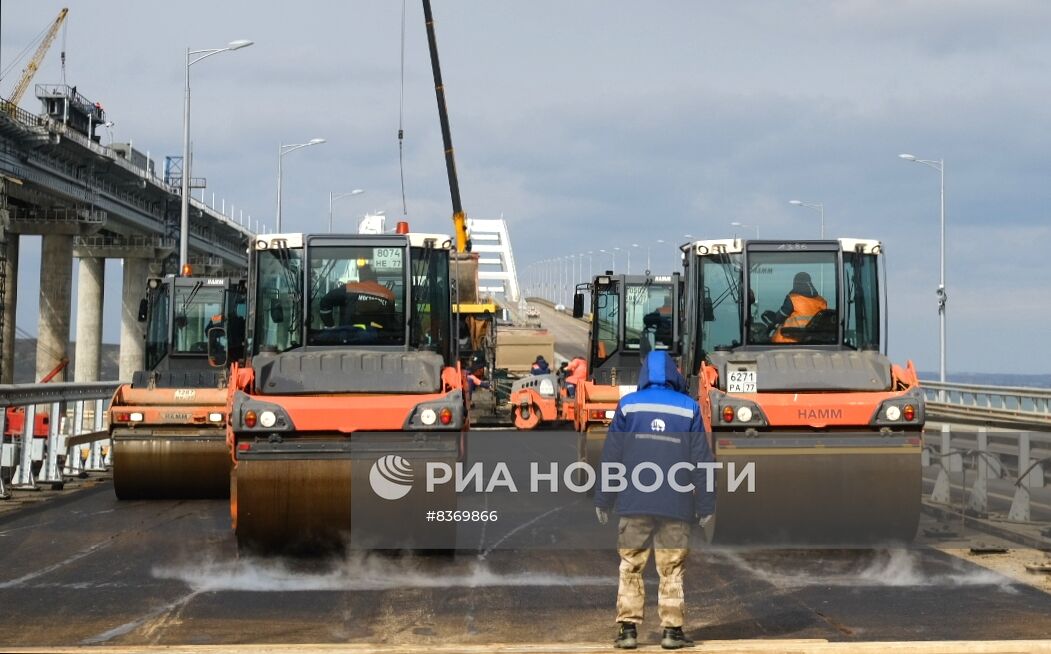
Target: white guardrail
x=1007 y=406
x=72 y=445
x=1012 y=442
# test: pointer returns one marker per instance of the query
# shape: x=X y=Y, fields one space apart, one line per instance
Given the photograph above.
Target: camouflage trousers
x=669 y=540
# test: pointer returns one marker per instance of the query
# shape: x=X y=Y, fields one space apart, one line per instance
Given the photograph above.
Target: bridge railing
x=973 y=461
x=1006 y=406
x=52 y=431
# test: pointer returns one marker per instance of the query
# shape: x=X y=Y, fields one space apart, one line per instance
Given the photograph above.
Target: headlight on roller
x=893 y=412
x=428 y=416
x=744 y=414
x=267 y=418
x=547 y=389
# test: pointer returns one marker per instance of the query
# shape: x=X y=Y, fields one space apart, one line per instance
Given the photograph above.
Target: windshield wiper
x=189 y=298
x=295 y=285
x=316 y=282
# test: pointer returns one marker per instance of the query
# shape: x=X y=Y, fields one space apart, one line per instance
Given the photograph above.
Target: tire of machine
x=527 y=418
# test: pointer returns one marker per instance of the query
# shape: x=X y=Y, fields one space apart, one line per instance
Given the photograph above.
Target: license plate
x=741 y=381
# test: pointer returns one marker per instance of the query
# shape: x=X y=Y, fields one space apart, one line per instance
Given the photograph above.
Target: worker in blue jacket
x=657 y=427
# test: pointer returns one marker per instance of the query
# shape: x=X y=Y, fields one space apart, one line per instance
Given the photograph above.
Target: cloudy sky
x=593 y=124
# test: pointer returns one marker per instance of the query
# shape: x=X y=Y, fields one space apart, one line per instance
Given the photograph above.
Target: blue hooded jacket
x=658 y=425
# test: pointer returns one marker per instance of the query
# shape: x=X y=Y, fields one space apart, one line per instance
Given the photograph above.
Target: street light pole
x=184 y=214
x=338 y=196
x=755 y=227
x=820 y=206
x=660 y=241
x=938 y=165
x=282 y=150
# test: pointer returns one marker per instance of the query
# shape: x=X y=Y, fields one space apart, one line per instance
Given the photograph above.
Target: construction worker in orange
x=365 y=302
x=576 y=373
x=801 y=305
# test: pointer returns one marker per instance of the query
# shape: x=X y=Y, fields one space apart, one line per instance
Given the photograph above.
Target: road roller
x=168 y=426
x=351 y=389
x=784 y=344
x=630 y=315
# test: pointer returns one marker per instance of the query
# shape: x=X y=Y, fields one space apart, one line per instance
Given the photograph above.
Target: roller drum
x=303 y=505
x=820 y=497
x=171 y=466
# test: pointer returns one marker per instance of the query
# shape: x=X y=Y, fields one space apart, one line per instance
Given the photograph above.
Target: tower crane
x=38 y=56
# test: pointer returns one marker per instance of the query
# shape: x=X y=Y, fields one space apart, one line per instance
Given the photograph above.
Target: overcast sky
x=593 y=124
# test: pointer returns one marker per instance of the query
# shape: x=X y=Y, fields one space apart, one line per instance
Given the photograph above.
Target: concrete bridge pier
x=90 y=294
x=56 y=278
x=132 y=334
x=138 y=253
x=7 y=367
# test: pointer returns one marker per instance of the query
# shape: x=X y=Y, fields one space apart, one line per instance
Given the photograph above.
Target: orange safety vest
x=372 y=289
x=578 y=371
x=803 y=311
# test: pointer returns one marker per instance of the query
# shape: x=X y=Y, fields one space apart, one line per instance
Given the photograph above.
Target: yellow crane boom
x=38 y=56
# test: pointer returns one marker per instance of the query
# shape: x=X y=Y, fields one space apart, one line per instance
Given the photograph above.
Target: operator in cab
x=801 y=304
x=365 y=303
x=576 y=373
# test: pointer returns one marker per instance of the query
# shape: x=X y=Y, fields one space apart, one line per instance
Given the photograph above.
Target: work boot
x=628 y=637
x=673 y=638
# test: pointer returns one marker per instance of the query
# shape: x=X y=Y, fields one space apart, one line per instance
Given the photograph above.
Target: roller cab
x=630 y=315
x=784 y=346
x=350 y=390
x=168 y=426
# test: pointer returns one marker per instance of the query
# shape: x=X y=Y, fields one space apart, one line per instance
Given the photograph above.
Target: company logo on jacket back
x=657 y=424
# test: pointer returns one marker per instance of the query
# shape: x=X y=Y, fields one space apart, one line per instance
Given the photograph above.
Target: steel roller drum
x=591 y=443
x=820 y=495
x=302 y=506
x=171 y=466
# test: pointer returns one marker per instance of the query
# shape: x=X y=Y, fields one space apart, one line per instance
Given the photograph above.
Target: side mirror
x=277 y=313
x=217 y=347
x=144 y=309
x=578 y=305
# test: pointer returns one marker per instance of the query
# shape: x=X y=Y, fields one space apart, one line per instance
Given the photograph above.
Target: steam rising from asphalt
x=359 y=573
x=896 y=567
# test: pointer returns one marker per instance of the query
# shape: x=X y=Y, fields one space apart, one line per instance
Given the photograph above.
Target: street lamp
x=332 y=197
x=282 y=150
x=184 y=219
x=812 y=205
x=660 y=241
x=633 y=245
x=938 y=165
x=612 y=257
x=755 y=227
